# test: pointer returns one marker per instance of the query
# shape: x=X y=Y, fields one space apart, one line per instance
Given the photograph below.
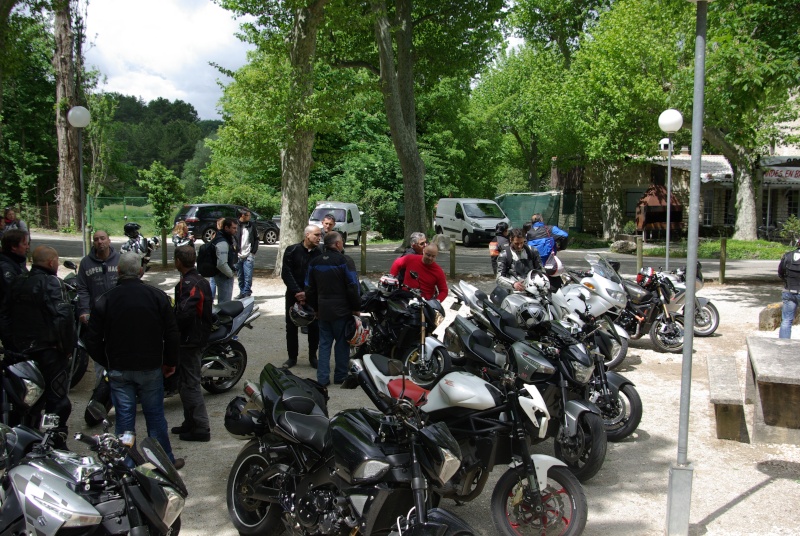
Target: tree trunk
x=397 y=87
x=611 y=208
x=68 y=196
x=745 y=187
x=296 y=155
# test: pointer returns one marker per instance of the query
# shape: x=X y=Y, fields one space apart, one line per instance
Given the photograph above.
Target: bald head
x=46 y=257
x=429 y=254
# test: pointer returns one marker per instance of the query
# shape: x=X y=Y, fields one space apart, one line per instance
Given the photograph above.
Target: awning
x=713 y=168
x=780 y=169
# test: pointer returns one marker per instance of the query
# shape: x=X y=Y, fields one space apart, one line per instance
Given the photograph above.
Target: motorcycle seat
x=299 y=418
x=407 y=389
x=231 y=308
x=504 y=324
x=386 y=365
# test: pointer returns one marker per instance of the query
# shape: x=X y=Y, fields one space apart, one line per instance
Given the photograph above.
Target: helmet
x=531 y=315
x=537 y=284
x=388 y=283
x=238 y=422
x=131 y=229
x=501 y=228
x=646 y=277
x=301 y=315
x=554 y=266
x=357 y=332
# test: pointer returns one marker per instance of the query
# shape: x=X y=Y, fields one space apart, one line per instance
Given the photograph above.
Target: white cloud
x=152 y=48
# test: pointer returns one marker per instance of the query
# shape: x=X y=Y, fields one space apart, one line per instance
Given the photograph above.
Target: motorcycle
x=23 y=390
x=51 y=492
x=495 y=423
x=224 y=359
x=706 y=316
x=361 y=472
x=399 y=320
x=79 y=360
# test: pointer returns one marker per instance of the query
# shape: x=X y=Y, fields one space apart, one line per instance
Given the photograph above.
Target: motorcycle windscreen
x=153 y=453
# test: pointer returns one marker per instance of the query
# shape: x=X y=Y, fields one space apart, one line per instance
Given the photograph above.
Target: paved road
x=469 y=261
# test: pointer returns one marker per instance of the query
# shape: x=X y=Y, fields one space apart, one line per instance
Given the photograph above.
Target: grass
x=736 y=250
x=586 y=241
x=112 y=219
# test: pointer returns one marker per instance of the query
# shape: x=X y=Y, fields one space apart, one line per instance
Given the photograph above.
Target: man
x=499 y=243
x=247 y=244
x=430 y=276
x=296 y=259
x=332 y=290
x=133 y=334
x=38 y=319
x=15 y=247
x=417 y=243
x=193 y=314
x=225 y=244
x=136 y=242
x=789 y=271
x=516 y=261
x=328 y=223
x=545 y=238
x=97 y=273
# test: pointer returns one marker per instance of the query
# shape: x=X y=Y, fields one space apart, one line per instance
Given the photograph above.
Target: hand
x=300 y=297
x=167 y=370
x=519 y=285
x=84 y=318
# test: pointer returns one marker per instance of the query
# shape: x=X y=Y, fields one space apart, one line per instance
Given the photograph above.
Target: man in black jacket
x=293 y=272
x=515 y=261
x=193 y=314
x=332 y=290
x=134 y=335
x=227 y=259
x=12 y=259
x=247 y=245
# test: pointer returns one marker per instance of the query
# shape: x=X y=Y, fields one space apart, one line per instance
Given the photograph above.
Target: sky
x=162 y=48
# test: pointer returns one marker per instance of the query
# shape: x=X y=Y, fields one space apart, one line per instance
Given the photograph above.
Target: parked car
x=467 y=219
x=201 y=219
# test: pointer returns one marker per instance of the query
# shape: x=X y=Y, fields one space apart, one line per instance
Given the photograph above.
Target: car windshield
x=320 y=212
x=601 y=267
x=483 y=210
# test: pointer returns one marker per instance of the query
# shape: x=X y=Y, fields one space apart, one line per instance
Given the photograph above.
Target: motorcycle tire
x=665 y=335
x=624 y=417
x=564 y=501
x=80 y=367
x=424 y=376
x=619 y=350
x=706 y=320
x=584 y=454
x=236 y=356
x=252 y=516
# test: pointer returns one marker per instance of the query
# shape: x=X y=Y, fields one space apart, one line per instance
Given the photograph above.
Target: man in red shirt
x=431 y=280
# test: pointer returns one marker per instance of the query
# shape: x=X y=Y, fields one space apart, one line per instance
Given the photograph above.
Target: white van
x=467 y=219
x=348 y=218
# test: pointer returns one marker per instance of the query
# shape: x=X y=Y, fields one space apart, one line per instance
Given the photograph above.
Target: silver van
x=467 y=219
x=347 y=215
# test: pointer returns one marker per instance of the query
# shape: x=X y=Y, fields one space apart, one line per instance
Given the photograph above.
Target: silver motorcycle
x=706 y=316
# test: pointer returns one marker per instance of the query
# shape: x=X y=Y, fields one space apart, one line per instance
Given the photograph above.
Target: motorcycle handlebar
x=92 y=441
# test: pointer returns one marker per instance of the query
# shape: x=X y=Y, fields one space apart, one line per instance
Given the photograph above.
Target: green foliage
x=629 y=228
x=113 y=217
x=586 y=241
x=791 y=228
x=735 y=250
x=164 y=191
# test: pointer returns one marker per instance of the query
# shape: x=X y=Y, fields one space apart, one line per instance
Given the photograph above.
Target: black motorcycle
x=361 y=472
x=23 y=389
x=79 y=359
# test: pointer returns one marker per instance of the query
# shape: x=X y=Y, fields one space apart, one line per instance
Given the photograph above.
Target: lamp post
x=670 y=121
x=79 y=117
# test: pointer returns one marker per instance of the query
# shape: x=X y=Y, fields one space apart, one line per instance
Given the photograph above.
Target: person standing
x=12 y=222
x=328 y=223
x=789 y=271
x=332 y=290
x=417 y=243
x=136 y=359
x=430 y=277
x=39 y=320
x=247 y=245
x=210 y=280
x=15 y=247
x=193 y=315
x=225 y=244
x=499 y=243
x=516 y=261
x=181 y=236
x=296 y=259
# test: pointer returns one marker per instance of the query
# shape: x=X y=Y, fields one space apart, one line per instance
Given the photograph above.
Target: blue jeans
x=787 y=314
x=224 y=288
x=148 y=385
x=330 y=331
x=245 y=270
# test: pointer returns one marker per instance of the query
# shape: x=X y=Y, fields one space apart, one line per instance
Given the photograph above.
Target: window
x=792 y=203
x=632 y=198
x=708 y=207
x=459 y=212
x=483 y=210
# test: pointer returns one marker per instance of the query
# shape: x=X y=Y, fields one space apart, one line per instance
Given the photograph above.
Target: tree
x=164 y=191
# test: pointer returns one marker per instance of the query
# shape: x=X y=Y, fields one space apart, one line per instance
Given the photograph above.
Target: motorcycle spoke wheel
x=706 y=320
x=236 y=357
x=668 y=336
x=621 y=417
x=585 y=452
x=563 y=505
x=251 y=516
x=426 y=373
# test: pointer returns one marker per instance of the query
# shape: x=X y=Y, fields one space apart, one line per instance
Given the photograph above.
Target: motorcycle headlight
x=438 y=318
x=33 y=392
x=174 y=507
x=582 y=373
x=450 y=465
x=370 y=470
x=616 y=295
x=59 y=510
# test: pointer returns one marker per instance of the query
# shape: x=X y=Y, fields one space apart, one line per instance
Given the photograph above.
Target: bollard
x=164 y=261
x=723 y=255
x=639 y=254
x=453 y=260
x=363 y=252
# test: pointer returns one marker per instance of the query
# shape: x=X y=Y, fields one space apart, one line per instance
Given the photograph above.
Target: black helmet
x=132 y=229
x=301 y=315
x=238 y=422
x=501 y=228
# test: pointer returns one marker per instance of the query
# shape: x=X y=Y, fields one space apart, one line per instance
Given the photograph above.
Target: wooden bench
x=726 y=395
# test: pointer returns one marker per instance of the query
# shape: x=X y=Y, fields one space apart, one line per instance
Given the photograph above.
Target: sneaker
x=289 y=363
x=196 y=435
x=179 y=463
x=182 y=429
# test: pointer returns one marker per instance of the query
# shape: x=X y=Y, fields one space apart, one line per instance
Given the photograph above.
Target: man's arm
x=222 y=258
x=503 y=279
x=82 y=284
x=353 y=287
x=535 y=258
x=782 y=267
x=287 y=272
x=94 y=338
x=399 y=264
x=555 y=231
x=171 y=334
x=441 y=284
x=311 y=287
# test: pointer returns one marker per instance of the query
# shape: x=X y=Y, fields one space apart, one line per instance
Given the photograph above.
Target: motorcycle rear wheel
x=565 y=508
x=584 y=454
x=424 y=375
x=624 y=417
x=706 y=320
x=251 y=516
x=667 y=336
x=236 y=357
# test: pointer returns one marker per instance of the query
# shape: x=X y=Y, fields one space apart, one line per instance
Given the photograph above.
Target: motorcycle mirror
x=71 y=265
x=414 y=275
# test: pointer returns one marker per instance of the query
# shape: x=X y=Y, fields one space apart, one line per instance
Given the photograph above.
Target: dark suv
x=202 y=221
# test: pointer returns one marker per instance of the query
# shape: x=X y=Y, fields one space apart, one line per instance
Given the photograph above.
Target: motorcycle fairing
x=542 y=463
x=530 y=406
x=617 y=381
x=154 y=453
x=463 y=390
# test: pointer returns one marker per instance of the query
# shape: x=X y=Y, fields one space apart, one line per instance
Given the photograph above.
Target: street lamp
x=670 y=121
x=79 y=117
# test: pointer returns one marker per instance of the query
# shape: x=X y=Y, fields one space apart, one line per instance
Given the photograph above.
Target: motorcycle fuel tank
x=463 y=390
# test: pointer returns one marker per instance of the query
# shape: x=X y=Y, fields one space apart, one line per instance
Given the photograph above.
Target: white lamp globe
x=79 y=117
x=670 y=121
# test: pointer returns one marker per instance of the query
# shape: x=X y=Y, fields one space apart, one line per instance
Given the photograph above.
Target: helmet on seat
x=553 y=267
x=131 y=230
x=531 y=315
x=301 y=315
x=357 y=332
x=646 y=277
x=238 y=422
x=388 y=283
x=537 y=284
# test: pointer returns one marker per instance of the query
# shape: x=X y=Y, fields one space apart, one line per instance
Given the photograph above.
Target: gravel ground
x=733 y=486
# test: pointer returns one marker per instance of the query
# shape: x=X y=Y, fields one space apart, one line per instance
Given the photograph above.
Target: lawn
x=736 y=250
x=112 y=219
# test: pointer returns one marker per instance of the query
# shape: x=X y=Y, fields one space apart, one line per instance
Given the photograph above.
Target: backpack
x=791 y=269
x=544 y=244
x=207 y=260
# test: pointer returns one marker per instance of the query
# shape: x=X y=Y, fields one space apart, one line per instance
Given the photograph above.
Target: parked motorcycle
x=23 y=389
x=224 y=359
x=361 y=472
x=400 y=321
x=79 y=360
x=51 y=492
x=706 y=316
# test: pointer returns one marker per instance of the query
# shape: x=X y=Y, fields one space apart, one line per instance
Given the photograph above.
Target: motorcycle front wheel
x=621 y=417
x=426 y=372
x=234 y=354
x=564 y=508
x=585 y=452
x=706 y=320
x=251 y=516
x=174 y=529
x=667 y=336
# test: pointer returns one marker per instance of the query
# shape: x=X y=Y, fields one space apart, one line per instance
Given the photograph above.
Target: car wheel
x=209 y=234
x=271 y=236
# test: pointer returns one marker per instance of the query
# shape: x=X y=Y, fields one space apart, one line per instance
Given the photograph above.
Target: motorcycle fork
x=533 y=493
x=419 y=486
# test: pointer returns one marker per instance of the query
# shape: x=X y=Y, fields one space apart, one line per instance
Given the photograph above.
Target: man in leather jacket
x=516 y=261
x=227 y=258
x=12 y=259
x=247 y=245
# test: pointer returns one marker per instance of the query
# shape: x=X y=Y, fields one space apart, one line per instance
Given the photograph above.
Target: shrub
x=629 y=228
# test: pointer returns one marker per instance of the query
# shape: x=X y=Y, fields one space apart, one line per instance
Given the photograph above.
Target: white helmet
x=553 y=267
x=357 y=332
x=537 y=284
